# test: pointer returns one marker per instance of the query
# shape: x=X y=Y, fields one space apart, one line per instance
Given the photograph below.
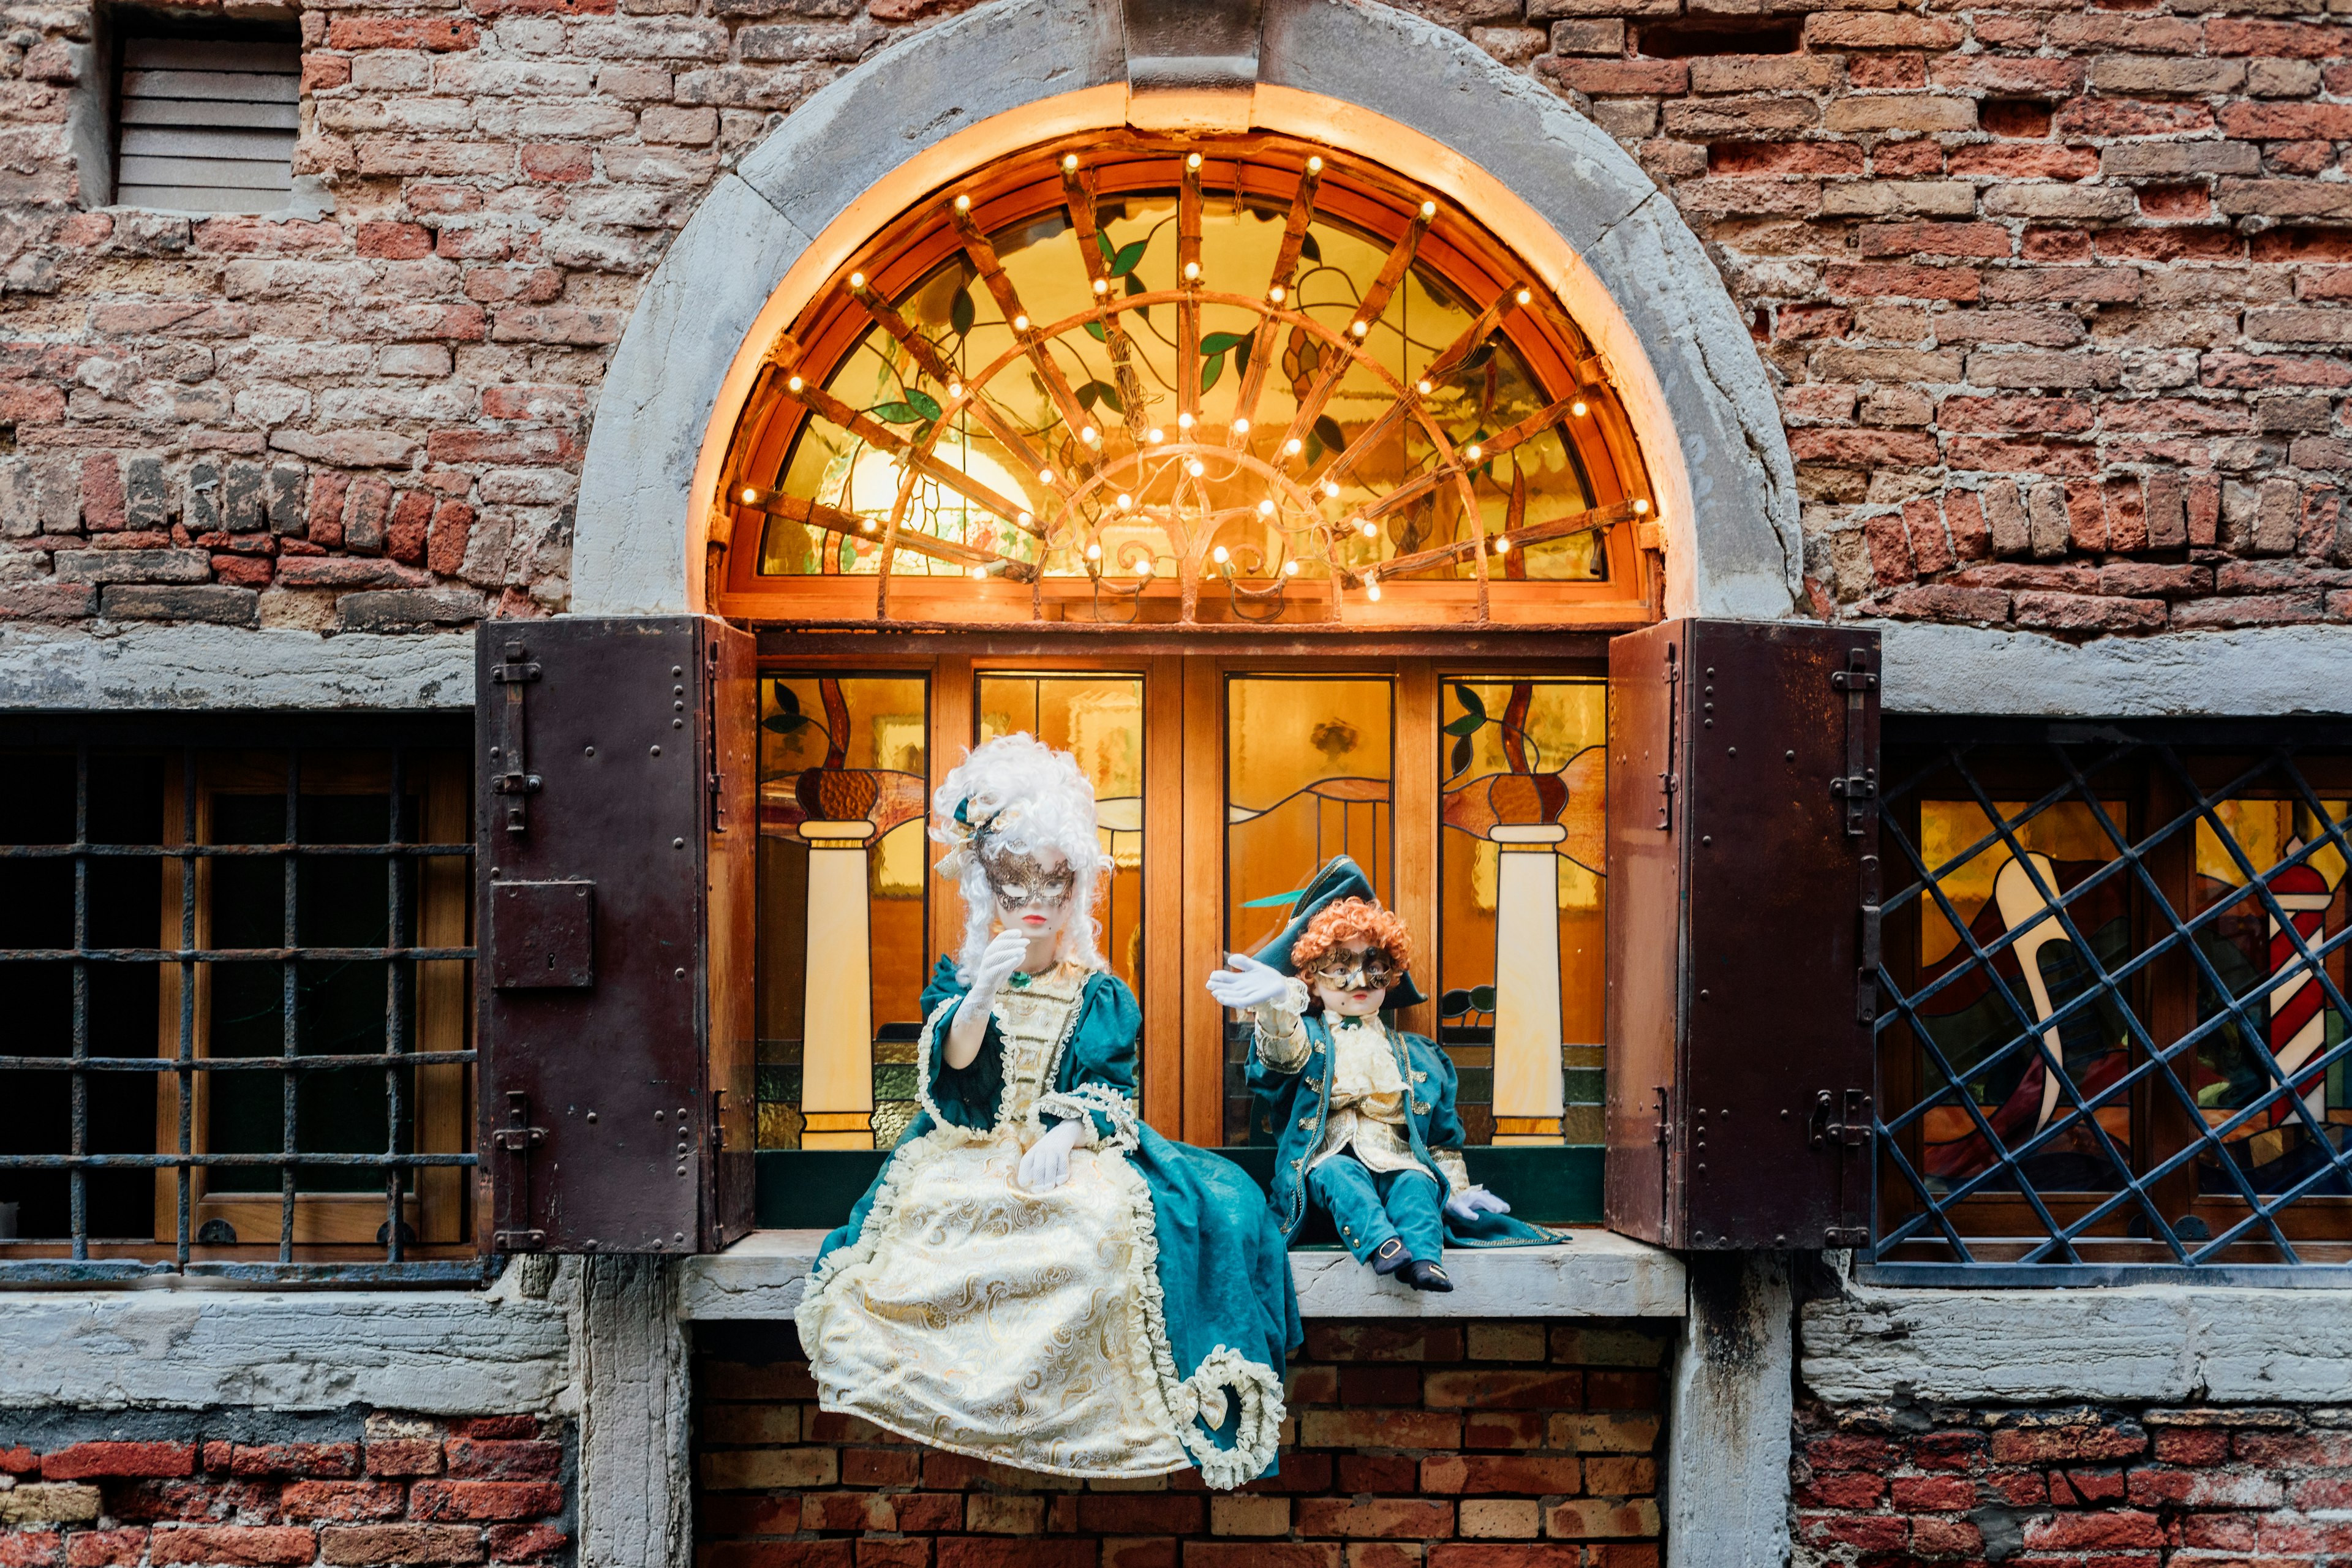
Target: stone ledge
x=1595 y=1275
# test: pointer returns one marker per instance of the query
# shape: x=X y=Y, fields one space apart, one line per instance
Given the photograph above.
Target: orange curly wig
x=1359 y=920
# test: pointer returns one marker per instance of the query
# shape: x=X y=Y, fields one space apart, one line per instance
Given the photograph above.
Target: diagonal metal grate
x=2112 y=1026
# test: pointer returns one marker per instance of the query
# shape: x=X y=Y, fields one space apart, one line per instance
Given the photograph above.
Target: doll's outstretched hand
x=1247 y=982
x=1471 y=1202
x=1047 y=1165
x=1005 y=952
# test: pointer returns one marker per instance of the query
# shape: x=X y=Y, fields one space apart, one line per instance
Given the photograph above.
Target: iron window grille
x=2113 y=1030
x=288 y=870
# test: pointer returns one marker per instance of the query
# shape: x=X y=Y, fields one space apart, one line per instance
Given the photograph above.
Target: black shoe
x=1390 y=1256
x=1423 y=1275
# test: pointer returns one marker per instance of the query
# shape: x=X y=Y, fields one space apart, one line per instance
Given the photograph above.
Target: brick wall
x=266 y=1489
x=2056 y=293
x=1489 y=1444
x=2074 y=1488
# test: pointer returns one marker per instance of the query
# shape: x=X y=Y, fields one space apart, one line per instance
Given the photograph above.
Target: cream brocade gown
x=1029 y=1327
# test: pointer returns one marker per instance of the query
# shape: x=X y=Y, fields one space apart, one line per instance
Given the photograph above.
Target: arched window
x=1134 y=379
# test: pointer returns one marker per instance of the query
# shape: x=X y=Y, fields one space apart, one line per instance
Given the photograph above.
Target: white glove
x=1005 y=952
x=1047 y=1165
x=1471 y=1202
x=1247 y=982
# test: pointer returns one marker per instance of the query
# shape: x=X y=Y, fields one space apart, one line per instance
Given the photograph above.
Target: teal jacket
x=1299 y=1104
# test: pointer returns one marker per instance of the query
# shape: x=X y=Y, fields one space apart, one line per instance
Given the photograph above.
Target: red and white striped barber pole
x=2297 y=1029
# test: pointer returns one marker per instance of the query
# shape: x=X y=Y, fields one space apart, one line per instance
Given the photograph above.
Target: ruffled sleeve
x=966 y=1096
x=1098 y=1069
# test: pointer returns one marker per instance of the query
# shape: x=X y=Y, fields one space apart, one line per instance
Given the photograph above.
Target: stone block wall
x=2131 y=1485
x=280 y=1490
x=1409 y=1445
x=2055 y=293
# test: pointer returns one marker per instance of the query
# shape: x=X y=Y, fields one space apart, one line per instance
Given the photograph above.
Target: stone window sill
x=1596 y=1274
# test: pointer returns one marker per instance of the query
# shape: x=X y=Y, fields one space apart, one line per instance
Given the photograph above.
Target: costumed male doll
x=1364 y=1112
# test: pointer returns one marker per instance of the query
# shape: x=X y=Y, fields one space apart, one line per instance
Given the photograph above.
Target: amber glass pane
x=1098 y=719
x=1308 y=767
x=1992 y=1053
x=2255 y=962
x=838 y=754
x=1523 y=770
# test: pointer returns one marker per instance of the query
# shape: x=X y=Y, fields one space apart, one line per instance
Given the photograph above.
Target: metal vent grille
x=207 y=125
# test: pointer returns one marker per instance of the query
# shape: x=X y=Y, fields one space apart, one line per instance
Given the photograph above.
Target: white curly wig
x=1016 y=795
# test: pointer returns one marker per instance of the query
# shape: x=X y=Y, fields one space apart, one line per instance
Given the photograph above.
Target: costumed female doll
x=1368 y=1129
x=1036 y=1278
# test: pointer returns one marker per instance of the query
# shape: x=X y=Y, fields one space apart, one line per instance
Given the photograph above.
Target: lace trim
x=1080 y=1104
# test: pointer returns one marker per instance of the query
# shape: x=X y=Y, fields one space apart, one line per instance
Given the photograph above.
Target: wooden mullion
x=823 y=403
x=928 y=356
x=1079 y=195
x=831 y=519
x=1169 y=980
x=1413 y=822
x=1369 y=310
x=1285 y=277
x=1188 y=284
x=1204 y=906
x=1539 y=533
x=952 y=729
x=1057 y=386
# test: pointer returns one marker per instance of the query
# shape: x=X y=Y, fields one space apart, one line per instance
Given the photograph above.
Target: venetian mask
x=1353 y=969
x=1020 y=881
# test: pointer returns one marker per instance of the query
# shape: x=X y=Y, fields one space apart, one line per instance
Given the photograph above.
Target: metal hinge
x=514 y=671
x=1858 y=785
x=1668 y=780
x=519 y=1137
x=1842 y=1121
x=718 y=779
x=1666 y=1118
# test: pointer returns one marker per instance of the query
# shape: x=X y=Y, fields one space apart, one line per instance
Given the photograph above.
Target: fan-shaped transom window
x=1127 y=379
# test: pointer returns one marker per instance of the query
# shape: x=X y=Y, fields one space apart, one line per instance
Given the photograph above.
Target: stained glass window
x=843 y=879
x=1174 y=381
x=1523 y=766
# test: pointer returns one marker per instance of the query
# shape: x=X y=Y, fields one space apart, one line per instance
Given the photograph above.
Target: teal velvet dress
x=1129 y=1322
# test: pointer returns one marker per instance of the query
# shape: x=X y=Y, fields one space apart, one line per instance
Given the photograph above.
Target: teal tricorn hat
x=1340 y=877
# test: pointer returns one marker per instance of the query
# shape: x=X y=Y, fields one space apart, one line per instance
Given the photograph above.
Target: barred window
x=2114 y=1021
x=237 y=959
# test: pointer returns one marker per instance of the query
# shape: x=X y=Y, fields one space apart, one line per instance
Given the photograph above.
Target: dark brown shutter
x=1743 y=891
x=617 y=830
x=207 y=125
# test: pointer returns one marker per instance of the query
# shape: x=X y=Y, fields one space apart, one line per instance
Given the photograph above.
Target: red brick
x=231 y=1543
x=527 y=1542
x=439 y=34
x=1915 y=1494
x=33 y=1549
x=906 y=1552
x=2118 y=1528
x=1480 y=1474
x=343 y=1500
x=871 y=1467
x=1411 y=1518
x=401 y=1455
x=1380 y=1384
x=1843 y=1488
x=85 y=1461
x=484 y=1501
x=1384 y=1342
x=1505 y=1389
x=2041 y=1445
x=1507 y=1554
x=399 y=1545
x=503 y=1460
x=1379 y=1429
x=1142 y=1514
x=1002 y=1551
x=782 y=1554
x=1147 y=1552
x=1503 y=1430
x=105 y=1548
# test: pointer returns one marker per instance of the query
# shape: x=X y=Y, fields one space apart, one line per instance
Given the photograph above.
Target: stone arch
x=947 y=100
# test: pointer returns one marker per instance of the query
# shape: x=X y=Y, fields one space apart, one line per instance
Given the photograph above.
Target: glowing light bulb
x=865 y=526
x=1102 y=285
x=1641 y=507
x=796 y=384
x=1374 y=593
x=1045 y=476
x=1196 y=468
x=1183 y=422
x=1290 y=568
x=1027 y=519
x=1421 y=387
x=978 y=572
x=1219 y=555
x=1428 y=209
x=1094 y=552
x=1143 y=567
x=1266 y=508
x=1331 y=488
x=1155 y=434
x=1020 y=324
x=1126 y=501
x=963 y=203
x=750 y=496
x=1314 y=165
x=1191 y=270
x=1577 y=408
x=1370 y=530
x=955 y=389
x=1192 y=160
x=1292 y=446
x=1525 y=297
x=1070 y=162
x=1473 y=451
x=857 y=281
x=1241 y=427
x=1276 y=293
x=1360 y=328
x=1502 y=547
x=1091 y=434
